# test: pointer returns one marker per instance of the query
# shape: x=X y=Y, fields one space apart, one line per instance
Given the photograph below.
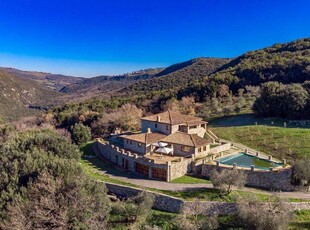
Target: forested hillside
x=285 y=63
x=105 y=84
x=180 y=75
x=18 y=94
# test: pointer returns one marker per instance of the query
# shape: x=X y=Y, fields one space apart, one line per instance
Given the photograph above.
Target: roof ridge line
x=192 y=139
x=170 y=116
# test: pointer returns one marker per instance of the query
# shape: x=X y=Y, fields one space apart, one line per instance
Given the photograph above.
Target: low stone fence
x=221 y=148
x=172 y=204
x=274 y=180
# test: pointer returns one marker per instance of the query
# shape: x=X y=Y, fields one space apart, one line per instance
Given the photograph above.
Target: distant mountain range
x=287 y=63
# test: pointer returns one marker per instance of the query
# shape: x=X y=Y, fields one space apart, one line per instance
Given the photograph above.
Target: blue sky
x=89 y=38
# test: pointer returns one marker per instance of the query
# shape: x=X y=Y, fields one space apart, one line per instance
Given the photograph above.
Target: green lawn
x=212 y=194
x=188 y=179
x=301 y=220
x=287 y=143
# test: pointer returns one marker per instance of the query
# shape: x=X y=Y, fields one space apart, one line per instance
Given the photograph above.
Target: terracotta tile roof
x=181 y=138
x=146 y=138
x=173 y=118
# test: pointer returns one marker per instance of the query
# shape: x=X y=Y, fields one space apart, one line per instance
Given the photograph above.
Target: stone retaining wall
x=171 y=204
x=161 y=202
x=178 y=169
x=274 y=180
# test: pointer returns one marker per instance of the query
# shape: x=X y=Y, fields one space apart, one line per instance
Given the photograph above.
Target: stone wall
x=161 y=202
x=171 y=204
x=178 y=169
x=274 y=180
x=225 y=208
x=220 y=148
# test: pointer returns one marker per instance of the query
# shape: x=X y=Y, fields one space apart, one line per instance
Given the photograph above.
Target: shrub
x=271 y=215
x=80 y=133
x=226 y=179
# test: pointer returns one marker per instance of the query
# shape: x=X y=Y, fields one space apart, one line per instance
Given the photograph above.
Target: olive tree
x=272 y=215
x=195 y=216
x=226 y=179
x=301 y=172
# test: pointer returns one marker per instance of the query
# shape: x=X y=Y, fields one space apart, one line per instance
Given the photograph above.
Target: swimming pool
x=246 y=160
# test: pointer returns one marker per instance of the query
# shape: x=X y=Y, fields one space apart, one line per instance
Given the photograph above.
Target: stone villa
x=168 y=147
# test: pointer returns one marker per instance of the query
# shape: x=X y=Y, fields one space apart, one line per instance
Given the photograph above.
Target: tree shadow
x=109 y=168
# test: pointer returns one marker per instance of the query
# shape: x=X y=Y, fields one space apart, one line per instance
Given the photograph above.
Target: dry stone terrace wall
x=171 y=204
x=274 y=180
x=161 y=202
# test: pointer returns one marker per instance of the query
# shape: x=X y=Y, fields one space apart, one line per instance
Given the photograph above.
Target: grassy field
x=212 y=194
x=289 y=143
x=189 y=179
x=301 y=220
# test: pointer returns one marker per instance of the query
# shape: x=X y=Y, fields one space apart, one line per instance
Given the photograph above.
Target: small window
x=186 y=149
x=156 y=126
x=204 y=148
x=167 y=127
x=131 y=142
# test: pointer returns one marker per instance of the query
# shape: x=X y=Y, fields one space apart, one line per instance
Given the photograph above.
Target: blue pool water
x=245 y=160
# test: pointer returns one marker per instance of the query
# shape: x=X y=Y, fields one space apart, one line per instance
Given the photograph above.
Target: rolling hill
x=52 y=81
x=200 y=77
x=18 y=95
x=105 y=86
x=180 y=75
x=171 y=78
x=286 y=63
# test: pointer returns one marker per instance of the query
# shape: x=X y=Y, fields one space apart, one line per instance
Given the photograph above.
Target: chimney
x=158 y=118
x=149 y=130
